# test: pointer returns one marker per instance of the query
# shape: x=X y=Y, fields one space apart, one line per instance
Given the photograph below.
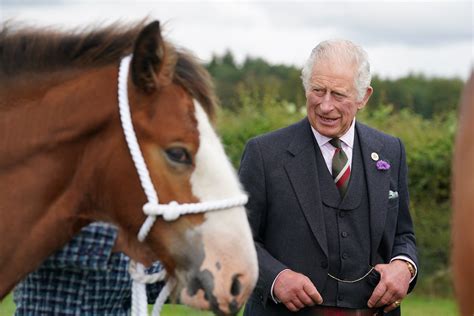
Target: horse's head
x=211 y=255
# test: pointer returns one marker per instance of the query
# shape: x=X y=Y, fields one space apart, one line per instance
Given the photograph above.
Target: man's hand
x=296 y=291
x=393 y=286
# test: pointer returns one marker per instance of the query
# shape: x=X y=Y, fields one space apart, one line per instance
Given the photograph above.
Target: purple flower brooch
x=381 y=164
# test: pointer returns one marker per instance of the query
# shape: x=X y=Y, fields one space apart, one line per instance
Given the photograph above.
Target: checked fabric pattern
x=85 y=278
x=341 y=170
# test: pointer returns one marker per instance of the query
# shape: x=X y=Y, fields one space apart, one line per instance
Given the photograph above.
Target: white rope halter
x=152 y=208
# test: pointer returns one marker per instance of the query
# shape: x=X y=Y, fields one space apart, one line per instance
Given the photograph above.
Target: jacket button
x=341 y=214
x=340 y=297
x=345 y=255
x=344 y=234
x=324 y=264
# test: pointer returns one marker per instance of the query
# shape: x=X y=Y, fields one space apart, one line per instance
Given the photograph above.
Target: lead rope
x=152 y=209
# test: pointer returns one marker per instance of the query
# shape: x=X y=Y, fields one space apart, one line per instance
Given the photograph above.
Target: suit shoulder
x=280 y=137
x=390 y=147
x=381 y=136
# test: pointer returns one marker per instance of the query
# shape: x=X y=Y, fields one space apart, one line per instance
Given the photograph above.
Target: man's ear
x=365 y=99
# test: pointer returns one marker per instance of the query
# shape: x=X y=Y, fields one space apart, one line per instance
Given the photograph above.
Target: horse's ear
x=148 y=55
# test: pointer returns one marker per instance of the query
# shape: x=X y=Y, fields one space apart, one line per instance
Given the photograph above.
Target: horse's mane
x=29 y=50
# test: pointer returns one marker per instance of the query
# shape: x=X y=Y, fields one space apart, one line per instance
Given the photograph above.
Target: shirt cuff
x=276 y=300
x=405 y=258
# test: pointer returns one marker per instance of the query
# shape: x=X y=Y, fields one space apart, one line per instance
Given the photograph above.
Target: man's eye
x=179 y=155
x=338 y=96
x=319 y=92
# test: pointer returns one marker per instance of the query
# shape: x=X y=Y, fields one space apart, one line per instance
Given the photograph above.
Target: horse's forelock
x=190 y=74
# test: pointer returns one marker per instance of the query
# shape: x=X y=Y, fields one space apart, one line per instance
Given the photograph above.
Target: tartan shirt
x=83 y=278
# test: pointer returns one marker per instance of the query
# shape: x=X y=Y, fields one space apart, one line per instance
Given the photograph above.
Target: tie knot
x=336 y=142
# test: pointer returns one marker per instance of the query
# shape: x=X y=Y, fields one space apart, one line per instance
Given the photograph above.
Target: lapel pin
x=374 y=156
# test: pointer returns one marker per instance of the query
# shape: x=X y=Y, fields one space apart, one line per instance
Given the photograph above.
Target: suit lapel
x=303 y=175
x=378 y=183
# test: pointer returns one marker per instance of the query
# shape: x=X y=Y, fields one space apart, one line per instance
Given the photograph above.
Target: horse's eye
x=179 y=155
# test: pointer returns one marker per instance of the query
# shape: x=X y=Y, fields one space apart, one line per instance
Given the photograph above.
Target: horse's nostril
x=236 y=285
x=202 y=281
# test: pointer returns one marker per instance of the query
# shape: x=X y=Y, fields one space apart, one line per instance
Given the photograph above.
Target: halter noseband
x=152 y=208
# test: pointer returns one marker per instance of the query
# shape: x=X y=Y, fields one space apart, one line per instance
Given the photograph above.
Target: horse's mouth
x=198 y=292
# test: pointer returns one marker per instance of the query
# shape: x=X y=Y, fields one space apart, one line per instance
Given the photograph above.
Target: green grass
x=413 y=305
x=7 y=307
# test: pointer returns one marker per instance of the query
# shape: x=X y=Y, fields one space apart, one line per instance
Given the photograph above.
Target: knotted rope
x=152 y=208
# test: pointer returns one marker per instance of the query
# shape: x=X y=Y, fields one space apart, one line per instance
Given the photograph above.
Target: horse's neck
x=51 y=114
x=43 y=142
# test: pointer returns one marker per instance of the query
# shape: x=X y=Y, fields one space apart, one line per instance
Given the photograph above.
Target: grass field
x=413 y=305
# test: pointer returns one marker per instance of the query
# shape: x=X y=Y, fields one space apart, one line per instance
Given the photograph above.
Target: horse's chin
x=198 y=300
x=196 y=292
x=201 y=301
x=185 y=292
x=181 y=295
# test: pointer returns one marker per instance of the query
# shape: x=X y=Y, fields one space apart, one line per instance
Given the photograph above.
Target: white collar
x=347 y=138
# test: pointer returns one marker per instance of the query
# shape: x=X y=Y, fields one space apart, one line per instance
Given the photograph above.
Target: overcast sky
x=430 y=37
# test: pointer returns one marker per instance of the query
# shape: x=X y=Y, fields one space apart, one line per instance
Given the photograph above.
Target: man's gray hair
x=341 y=51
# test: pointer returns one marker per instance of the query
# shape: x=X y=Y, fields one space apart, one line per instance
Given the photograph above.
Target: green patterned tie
x=341 y=170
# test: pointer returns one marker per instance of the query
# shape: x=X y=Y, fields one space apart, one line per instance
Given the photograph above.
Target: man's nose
x=327 y=103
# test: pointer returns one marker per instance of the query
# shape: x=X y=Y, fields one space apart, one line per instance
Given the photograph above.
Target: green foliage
x=258 y=114
x=255 y=74
x=226 y=77
x=426 y=96
x=437 y=284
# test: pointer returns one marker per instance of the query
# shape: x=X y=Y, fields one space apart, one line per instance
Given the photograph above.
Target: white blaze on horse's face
x=230 y=259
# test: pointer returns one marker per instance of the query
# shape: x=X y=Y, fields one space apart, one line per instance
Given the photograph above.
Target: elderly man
x=329 y=205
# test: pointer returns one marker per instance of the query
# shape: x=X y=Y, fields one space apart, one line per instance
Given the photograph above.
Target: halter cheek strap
x=152 y=208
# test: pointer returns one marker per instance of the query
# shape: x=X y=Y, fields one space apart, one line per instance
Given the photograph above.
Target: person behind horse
x=328 y=201
x=89 y=276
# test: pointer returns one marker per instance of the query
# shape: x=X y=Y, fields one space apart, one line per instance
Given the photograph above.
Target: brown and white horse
x=64 y=161
x=463 y=203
